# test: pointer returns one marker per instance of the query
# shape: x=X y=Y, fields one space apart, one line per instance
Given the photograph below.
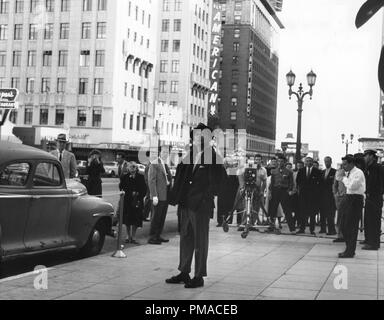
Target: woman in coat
x=133 y=184
x=95 y=169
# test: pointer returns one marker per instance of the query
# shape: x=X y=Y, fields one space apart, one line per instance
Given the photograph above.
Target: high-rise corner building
x=249 y=72
x=84 y=67
x=182 y=72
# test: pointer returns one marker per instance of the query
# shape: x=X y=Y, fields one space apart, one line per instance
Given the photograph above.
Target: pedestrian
x=122 y=165
x=194 y=189
x=66 y=158
x=339 y=192
x=374 y=201
x=327 y=199
x=272 y=165
x=295 y=195
x=354 y=181
x=227 y=194
x=280 y=189
x=308 y=183
x=316 y=164
x=95 y=169
x=159 y=183
x=147 y=211
x=133 y=185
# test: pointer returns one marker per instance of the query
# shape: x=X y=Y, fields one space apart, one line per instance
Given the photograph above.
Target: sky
x=321 y=35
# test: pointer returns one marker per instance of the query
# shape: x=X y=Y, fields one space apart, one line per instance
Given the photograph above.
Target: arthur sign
x=8 y=98
x=215 y=61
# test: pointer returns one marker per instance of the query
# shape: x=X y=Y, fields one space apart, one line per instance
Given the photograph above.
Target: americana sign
x=215 y=61
x=8 y=98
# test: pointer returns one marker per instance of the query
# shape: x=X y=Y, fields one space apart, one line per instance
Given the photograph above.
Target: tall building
x=249 y=72
x=86 y=67
x=182 y=73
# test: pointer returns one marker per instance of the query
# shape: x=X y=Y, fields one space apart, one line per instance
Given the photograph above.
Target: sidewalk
x=261 y=267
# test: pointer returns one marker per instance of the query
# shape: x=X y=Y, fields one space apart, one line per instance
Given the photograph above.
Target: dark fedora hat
x=367 y=11
x=62 y=138
x=95 y=152
x=370 y=152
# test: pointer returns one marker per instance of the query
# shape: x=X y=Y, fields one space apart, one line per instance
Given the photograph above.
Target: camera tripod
x=247 y=195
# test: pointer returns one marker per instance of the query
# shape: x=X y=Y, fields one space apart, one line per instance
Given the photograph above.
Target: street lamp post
x=300 y=95
x=347 y=142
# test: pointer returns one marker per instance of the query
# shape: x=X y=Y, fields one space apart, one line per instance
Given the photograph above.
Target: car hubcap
x=96 y=237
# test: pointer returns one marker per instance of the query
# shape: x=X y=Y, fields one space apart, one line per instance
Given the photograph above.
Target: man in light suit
x=159 y=183
x=67 y=159
x=123 y=165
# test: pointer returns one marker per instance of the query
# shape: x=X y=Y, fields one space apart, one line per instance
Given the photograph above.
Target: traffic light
x=366 y=12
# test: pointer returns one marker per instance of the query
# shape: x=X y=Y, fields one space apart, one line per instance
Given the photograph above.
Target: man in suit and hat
x=374 y=175
x=196 y=184
x=67 y=159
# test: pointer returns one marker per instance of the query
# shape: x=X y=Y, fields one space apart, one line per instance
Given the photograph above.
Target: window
x=16 y=58
x=235 y=87
x=33 y=7
x=45 y=85
x=64 y=31
x=86 y=30
x=28 y=115
x=101 y=30
x=236 y=47
x=59 y=117
x=177 y=25
x=83 y=86
x=3 y=58
x=100 y=58
x=163 y=86
x=13 y=116
x=48 y=31
x=3 y=32
x=15 y=83
x=176 y=45
x=47 y=175
x=166 y=6
x=47 y=58
x=82 y=117
x=163 y=66
x=165 y=25
x=85 y=58
x=31 y=58
x=96 y=118
x=234 y=102
x=49 y=5
x=2 y=83
x=102 y=5
x=145 y=97
x=124 y=121
x=65 y=5
x=18 y=34
x=30 y=85
x=87 y=5
x=236 y=33
x=144 y=123
x=15 y=175
x=138 y=123
x=19 y=6
x=139 y=93
x=63 y=58
x=174 y=86
x=44 y=116
x=4 y=6
x=32 y=32
x=235 y=60
x=61 y=85
x=178 y=4
x=175 y=66
x=164 y=45
x=132 y=91
x=99 y=86
x=233 y=115
x=131 y=122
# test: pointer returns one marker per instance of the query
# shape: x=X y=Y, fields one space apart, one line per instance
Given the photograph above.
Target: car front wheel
x=95 y=241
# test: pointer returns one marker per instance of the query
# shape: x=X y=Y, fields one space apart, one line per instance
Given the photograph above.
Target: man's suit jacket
x=309 y=187
x=157 y=180
x=327 y=198
x=196 y=185
x=68 y=163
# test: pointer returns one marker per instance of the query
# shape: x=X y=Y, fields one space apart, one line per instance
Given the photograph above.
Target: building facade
x=249 y=72
x=182 y=72
x=83 y=66
x=277 y=4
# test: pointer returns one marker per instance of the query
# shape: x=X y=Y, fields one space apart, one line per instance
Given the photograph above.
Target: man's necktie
x=60 y=156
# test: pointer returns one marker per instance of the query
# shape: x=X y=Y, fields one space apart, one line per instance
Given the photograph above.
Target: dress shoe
x=195 y=283
x=163 y=240
x=154 y=241
x=313 y=233
x=241 y=229
x=339 y=240
x=368 y=247
x=127 y=240
x=181 y=278
x=219 y=225
x=331 y=233
x=322 y=232
x=300 y=232
x=135 y=242
x=346 y=255
x=363 y=242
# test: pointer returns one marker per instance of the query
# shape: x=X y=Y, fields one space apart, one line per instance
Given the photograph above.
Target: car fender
x=86 y=212
x=1 y=248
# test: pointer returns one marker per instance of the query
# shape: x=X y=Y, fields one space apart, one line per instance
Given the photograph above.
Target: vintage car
x=111 y=169
x=40 y=211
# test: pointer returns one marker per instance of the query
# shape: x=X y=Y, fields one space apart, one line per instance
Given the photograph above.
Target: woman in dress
x=95 y=169
x=133 y=184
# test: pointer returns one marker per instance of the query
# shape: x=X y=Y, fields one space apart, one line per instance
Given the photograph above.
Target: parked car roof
x=14 y=151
